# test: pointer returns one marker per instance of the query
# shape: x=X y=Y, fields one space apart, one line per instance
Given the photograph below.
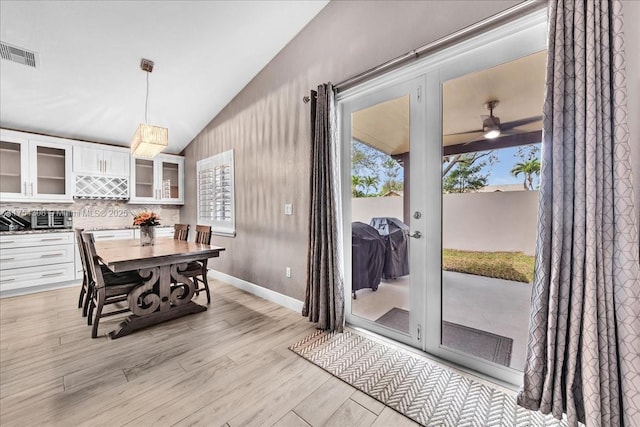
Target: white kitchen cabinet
x=35 y=260
x=157 y=181
x=160 y=232
x=102 y=160
x=34 y=168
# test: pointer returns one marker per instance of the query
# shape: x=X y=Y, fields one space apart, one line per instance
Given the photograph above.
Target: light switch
x=288 y=209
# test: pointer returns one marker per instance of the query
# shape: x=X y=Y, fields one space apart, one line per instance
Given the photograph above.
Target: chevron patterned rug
x=410 y=384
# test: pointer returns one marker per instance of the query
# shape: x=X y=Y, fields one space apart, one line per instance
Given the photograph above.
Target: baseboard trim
x=252 y=288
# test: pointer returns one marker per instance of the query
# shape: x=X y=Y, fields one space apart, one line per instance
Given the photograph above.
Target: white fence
x=500 y=221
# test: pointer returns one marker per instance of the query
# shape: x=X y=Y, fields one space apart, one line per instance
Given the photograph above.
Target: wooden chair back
x=92 y=260
x=83 y=254
x=203 y=234
x=181 y=232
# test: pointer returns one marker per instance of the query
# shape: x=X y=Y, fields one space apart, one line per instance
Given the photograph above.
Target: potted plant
x=147 y=221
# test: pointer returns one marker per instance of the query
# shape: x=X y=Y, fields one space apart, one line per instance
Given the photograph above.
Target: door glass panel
x=144 y=178
x=10 y=164
x=489 y=208
x=169 y=180
x=51 y=170
x=379 y=210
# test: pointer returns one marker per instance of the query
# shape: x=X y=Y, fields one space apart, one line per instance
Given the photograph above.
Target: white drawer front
x=34 y=276
x=37 y=239
x=160 y=232
x=42 y=255
x=112 y=234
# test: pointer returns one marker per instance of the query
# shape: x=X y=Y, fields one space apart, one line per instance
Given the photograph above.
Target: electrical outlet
x=288 y=209
x=287 y=272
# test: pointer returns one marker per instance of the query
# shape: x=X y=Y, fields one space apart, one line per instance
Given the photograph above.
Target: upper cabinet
x=102 y=171
x=96 y=159
x=34 y=168
x=157 y=181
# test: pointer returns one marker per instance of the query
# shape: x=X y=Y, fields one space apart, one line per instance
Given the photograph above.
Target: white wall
x=365 y=208
x=502 y=221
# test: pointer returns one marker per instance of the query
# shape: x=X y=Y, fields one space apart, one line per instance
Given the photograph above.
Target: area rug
x=412 y=385
x=486 y=345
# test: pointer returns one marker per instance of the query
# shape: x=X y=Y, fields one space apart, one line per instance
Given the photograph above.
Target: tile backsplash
x=98 y=213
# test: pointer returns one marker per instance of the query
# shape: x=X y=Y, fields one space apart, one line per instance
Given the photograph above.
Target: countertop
x=67 y=230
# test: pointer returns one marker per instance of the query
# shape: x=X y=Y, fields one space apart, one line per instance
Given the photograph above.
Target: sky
x=500 y=172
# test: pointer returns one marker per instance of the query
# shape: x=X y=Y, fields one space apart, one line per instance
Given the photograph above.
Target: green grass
x=514 y=266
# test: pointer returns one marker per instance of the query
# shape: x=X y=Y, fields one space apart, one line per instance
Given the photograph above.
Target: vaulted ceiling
x=88 y=84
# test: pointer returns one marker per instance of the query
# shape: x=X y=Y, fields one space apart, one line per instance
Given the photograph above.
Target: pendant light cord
x=146 y=100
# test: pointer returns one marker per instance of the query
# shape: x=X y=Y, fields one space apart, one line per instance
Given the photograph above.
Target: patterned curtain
x=584 y=337
x=324 y=296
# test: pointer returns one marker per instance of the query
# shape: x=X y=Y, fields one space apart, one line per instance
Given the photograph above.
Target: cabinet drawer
x=17 y=278
x=10 y=241
x=160 y=232
x=112 y=234
x=29 y=257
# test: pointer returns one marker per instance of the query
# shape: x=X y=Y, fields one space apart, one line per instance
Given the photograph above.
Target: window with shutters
x=216 y=201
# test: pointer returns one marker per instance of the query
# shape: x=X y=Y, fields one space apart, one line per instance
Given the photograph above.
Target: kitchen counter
x=66 y=230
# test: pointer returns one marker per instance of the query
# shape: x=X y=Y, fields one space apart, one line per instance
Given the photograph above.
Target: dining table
x=164 y=293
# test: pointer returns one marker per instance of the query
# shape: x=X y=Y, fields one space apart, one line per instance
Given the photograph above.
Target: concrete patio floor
x=492 y=305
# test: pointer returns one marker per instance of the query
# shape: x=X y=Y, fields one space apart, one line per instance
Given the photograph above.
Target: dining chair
x=86 y=291
x=181 y=232
x=108 y=287
x=197 y=270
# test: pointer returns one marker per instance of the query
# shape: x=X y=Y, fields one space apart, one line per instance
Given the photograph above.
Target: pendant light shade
x=149 y=140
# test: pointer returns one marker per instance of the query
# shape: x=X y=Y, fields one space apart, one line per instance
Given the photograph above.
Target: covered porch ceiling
x=517 y=85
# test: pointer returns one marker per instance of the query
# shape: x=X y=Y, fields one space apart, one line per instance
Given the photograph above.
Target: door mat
x=486 y=345
x=412 y=385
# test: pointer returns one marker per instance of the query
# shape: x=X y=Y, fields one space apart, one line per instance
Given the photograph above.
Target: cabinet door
x=87 y=160
x=143 y=181
x=116 y=162
x=14 y=168
x=50 y=171
x=170 y=173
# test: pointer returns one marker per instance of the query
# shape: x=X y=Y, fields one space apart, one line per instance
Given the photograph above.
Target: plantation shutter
x=216 y=204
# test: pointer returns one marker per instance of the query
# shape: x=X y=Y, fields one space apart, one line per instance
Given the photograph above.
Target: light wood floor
x=227 y=366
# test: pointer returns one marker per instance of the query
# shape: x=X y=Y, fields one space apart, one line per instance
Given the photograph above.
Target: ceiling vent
x=18 y=54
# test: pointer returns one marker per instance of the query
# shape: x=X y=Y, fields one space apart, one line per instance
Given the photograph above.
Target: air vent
x=18 y=54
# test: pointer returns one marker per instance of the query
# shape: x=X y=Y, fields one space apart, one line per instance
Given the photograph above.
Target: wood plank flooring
x=228 y=366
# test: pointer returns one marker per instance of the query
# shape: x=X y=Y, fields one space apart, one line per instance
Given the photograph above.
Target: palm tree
x=356 y=182
x=528 y=168
x=369 y=181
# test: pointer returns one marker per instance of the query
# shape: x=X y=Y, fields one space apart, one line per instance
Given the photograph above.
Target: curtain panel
x=324 y=296
x=583 y=354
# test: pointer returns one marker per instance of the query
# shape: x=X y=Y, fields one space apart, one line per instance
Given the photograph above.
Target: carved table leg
x=155 y=305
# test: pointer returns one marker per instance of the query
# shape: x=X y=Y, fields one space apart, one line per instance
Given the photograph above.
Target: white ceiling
x=89 y=85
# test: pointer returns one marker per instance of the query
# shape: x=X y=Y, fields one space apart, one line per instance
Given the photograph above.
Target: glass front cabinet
x=34 y=168
x=157 y=181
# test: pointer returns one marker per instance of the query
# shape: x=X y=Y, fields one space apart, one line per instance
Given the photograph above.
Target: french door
x=384 y=222
x=396 y=145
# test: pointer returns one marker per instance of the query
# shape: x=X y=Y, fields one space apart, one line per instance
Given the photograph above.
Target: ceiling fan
x=491 y=126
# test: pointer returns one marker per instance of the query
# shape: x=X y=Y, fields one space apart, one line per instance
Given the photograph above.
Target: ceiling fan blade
x=471 y=132
x=521 y=122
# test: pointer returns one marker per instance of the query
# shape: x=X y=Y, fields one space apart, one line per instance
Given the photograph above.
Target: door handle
x=416 y=235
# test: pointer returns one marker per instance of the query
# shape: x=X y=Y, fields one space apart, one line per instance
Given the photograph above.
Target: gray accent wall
x=268 y=126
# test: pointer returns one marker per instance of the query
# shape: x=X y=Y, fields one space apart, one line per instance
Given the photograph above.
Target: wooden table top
x=128 y=254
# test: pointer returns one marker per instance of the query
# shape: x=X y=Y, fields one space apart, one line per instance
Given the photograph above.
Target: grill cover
x=394 y=232
x=368 y=257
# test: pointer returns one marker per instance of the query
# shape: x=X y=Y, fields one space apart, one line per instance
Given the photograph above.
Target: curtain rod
x=489 y=23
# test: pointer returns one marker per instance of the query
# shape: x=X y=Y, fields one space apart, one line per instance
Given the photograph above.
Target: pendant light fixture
x=148 y=140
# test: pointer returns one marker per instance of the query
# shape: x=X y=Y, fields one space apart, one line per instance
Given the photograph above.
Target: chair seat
x=194 y=267
x=117 y=279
